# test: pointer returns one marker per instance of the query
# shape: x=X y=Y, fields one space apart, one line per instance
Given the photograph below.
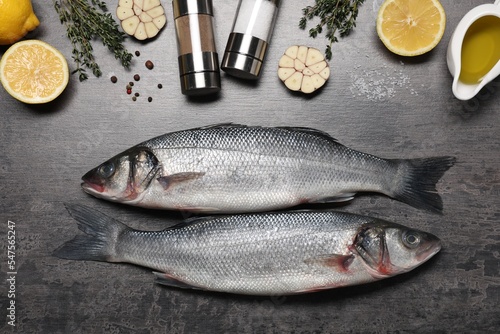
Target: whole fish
x=259 y=253
x=234 y=168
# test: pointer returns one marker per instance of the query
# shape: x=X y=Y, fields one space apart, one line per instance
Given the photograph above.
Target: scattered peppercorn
x=129 y=91
x=150 y=99
x=149 y=65
x=137 y=77
x=131 y=84
x=160 y=86
x=136 y=94
x=134 y=98
x=114 y=79
x=137 y=53
x=129 y=87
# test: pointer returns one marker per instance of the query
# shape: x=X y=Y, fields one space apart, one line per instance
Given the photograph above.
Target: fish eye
x=107 y=170
x=411 y=239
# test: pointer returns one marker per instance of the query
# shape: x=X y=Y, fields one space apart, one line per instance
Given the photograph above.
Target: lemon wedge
x=411 y=27
x=34 y=72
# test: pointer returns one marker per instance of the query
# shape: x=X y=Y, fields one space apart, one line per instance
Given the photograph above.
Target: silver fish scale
x=263 y=253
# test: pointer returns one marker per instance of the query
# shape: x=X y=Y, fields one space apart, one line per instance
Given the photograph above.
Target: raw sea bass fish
x=259 y=253
x=235 y=168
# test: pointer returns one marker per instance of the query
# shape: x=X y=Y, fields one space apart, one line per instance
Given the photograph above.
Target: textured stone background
x=374 y=102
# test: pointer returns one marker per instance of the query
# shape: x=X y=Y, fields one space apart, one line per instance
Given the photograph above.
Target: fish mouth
x=92 y=188
x=91 y=184
x=429 y=251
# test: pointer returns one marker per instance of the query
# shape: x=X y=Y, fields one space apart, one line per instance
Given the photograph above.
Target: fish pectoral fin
x=339 y=262
x=166 y=279
x=168 y=180
x=334 y=199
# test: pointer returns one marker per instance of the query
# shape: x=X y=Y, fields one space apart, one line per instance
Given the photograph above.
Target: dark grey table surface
x=375 y=102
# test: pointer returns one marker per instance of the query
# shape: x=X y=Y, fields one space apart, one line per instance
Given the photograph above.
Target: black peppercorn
x=149 y=65
x=114 y=79
x=137 y=77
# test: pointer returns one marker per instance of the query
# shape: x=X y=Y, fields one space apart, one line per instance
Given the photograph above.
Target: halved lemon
x=34 y=72
x=411 y=27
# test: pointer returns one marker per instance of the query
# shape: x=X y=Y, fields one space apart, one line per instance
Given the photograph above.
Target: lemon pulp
x=480 y=49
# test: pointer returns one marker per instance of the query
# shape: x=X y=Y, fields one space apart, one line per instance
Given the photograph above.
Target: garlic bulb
x=303 y=69
x=142 y=19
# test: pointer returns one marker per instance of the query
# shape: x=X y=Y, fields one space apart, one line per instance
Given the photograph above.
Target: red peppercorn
x=129 y=91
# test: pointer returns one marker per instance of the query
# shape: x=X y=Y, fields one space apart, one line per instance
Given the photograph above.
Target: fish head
x=389 y=249
x=123 y=178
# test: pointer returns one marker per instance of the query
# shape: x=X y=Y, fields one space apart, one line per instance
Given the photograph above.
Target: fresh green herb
x=337 y=15
x=84 y=22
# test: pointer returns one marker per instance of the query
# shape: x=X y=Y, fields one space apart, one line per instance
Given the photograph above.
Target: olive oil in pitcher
x=480 y=49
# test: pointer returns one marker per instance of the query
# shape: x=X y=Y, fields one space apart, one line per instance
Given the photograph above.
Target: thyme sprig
x=85 y=21
x=337 y=15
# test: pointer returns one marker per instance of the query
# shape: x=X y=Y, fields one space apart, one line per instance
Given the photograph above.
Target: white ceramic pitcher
x=462 y=90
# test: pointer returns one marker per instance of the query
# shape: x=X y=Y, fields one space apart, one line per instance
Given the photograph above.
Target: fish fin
x=418 y=186
x=335 y=199
x=311 y=131
x=168 y=180
x=168 y=280
x=339 y=262
x=101 y=235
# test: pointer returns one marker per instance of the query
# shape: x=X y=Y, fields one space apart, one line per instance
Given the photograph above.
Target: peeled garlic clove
x=303 y=69
x=142 y=19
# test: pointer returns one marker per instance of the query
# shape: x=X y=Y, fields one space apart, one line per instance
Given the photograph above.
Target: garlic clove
x=292 y=51
x=126 y=3
x=294 y=81
x=325 y=74
x=318 y=81
x=149 y=4
x=285 y=72
x=124 y=13
x=130 y=25
x=299 y=66
x=303 y=69
x=144 y=17
x=307 y=85
x=314 y=56
x=160 y=21
x=151 y=29
x=286 y=61
x=302 y=53
x=318 y=67
x=155 y=12
x=140 y=33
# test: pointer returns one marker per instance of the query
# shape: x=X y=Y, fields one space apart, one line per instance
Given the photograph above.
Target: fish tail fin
x=418 y=184
x=99 y=241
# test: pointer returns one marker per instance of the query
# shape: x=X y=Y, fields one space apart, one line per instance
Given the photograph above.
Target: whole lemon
x=16 y=19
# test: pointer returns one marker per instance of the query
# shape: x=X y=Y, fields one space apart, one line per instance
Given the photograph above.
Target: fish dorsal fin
x=310 y=131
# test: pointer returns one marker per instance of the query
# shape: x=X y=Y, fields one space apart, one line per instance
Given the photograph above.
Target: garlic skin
x=142 y=19
x=303 y=69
